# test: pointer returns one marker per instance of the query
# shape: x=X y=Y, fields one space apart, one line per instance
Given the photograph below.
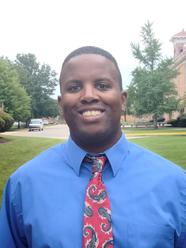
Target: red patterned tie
x=97 y=229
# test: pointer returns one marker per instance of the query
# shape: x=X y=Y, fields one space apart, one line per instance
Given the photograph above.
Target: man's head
x=93 y=50
x=91 y=98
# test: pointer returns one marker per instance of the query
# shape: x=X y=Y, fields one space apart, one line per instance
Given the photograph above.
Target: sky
x=51 y=29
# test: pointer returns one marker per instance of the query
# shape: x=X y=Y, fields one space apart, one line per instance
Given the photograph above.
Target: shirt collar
x=115 y=154
x=74 y=155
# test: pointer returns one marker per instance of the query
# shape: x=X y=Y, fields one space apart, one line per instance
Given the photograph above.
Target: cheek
x=67 y=102
x=114 y=102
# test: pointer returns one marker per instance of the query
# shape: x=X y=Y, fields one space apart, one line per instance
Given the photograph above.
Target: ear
x=60 y=104
x=59 y=100
x=124 y=99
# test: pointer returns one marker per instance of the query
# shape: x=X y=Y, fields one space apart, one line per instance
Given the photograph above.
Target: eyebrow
x=73 y=81
x=102 y=79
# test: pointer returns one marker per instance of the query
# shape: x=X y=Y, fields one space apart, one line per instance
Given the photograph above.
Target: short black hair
x=94 y=50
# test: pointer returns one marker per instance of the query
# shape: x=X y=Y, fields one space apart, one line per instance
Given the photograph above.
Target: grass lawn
x=170 y=147
x=159 y=131
x=18 y=150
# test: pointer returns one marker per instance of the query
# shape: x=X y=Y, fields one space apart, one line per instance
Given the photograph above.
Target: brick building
x=179 y=43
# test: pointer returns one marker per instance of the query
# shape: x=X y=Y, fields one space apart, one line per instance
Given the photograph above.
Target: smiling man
x=91 y=99
x=97 y=190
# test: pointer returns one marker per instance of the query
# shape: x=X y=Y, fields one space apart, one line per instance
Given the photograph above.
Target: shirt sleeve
x=11 y=235
x=181 y=241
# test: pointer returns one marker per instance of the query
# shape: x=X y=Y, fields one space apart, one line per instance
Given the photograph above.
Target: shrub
x=2 y=123
x=179 y=122
x=6 y=121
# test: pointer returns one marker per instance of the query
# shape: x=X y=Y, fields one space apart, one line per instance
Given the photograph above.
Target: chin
x=96 y=138
x=93 y=133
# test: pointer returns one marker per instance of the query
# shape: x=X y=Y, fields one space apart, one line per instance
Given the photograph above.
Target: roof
x=180 y=34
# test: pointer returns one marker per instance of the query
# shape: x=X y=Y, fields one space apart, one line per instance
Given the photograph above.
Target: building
x=179 y=43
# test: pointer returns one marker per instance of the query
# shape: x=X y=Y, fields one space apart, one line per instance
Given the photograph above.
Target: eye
x=73 y=87
x=103 y=86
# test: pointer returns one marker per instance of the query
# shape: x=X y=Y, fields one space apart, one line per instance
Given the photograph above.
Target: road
x=62 y=132
x=56 y=131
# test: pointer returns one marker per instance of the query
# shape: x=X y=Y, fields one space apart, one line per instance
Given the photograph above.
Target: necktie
x=97 y=229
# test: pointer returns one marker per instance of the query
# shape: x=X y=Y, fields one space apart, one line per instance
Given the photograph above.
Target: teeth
x=91 y=113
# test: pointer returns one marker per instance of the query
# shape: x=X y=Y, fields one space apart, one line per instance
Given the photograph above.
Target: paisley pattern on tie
x=97 y=228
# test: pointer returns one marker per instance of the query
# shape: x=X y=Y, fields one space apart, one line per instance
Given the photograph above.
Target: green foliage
x=152 y=90
x=39 y=82
x=182 y=104
x=150 y=55
x=13 y=96
x=2 y=123
x=6 y=121
x=50 y=107
x=179 y=122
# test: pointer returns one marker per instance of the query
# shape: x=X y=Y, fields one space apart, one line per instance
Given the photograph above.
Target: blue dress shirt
x=43 y=200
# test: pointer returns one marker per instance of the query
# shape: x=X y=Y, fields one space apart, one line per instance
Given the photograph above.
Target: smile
x=90 y=113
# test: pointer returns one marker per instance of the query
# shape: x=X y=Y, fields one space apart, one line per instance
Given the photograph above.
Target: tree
x=152 y=90
x=13 y=96
x=52 y=107
x=6 y=121
x=39 y=82
x=182 y=104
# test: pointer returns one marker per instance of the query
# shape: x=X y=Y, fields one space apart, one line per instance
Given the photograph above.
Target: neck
x=98 y=145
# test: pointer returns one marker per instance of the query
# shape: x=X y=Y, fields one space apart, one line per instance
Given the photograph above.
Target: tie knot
x=97 y=162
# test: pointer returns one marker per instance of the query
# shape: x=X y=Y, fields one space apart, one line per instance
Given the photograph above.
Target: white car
x=36 y=124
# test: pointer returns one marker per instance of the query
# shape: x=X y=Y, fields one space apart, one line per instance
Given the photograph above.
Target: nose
x=89 y=94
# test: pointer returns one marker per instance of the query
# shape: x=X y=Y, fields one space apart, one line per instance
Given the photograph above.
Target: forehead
x=90 y=65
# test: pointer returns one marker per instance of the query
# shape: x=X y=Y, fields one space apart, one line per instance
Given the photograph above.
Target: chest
x=139 y=216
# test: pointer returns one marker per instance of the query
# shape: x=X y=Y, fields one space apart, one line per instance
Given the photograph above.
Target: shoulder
x=160 y=176
x=144 y=155
x=45 y=161
x=150 y=163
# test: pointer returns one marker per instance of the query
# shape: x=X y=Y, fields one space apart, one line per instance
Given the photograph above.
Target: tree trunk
x=155 y=121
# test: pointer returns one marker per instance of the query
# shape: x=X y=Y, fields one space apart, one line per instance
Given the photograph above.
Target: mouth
x=91 y=114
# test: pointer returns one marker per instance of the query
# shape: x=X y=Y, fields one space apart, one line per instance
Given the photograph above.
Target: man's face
x=91 y=100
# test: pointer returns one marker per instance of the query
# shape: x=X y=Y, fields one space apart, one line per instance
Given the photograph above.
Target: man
x=43 y=203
